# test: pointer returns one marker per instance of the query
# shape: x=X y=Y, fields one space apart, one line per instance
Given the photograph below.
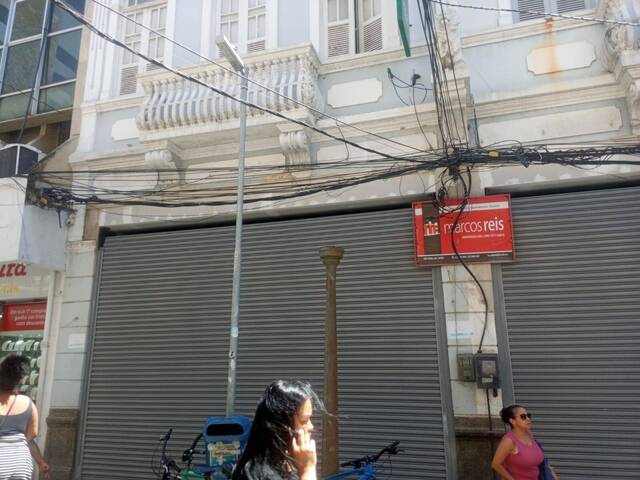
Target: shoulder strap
x=15 y=397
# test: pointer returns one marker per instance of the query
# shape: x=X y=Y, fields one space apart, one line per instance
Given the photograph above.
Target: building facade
x=140 y=338
x=39 y=62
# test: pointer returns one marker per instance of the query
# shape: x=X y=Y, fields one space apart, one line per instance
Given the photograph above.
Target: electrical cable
x=82 y=19
x=453 y=67
x=538 y=13
x=254 y=82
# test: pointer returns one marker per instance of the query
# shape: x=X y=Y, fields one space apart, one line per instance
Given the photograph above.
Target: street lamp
x=238 y=65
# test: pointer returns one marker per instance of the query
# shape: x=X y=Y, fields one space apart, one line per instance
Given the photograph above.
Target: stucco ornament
x=449 y=41
x=633 y=100
x=167 y=163
x=618 y=38
x=295 y=146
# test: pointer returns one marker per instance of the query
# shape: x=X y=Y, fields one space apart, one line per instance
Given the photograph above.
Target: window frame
x=357 y=22
x=142 y=13
x=38 y=86
x=550 y=6
x=267 y=8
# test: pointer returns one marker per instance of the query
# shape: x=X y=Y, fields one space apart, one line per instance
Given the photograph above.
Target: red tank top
x=524 y=464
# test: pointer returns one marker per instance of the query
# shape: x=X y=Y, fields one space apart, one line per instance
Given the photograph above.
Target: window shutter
x=258 y=46
x=372 y=35
x=338 y=39
x=128 y=79
x=531 y=5
x=256 y=26
x=340 y=28
x=565 y=6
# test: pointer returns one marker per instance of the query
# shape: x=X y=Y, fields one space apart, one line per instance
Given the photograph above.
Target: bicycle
x=170 y=470
x=364 y=468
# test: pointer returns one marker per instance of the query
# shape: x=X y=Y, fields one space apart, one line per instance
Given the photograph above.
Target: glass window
x=4 y=16
x=21 y=66
x=28 y=21
x=56 y=98
x=229 y=6
x=62 y=57
x=13 y=106
x=61 y=20
x=133 y=3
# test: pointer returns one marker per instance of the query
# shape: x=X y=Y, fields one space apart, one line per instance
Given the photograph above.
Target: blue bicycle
x=364 y=468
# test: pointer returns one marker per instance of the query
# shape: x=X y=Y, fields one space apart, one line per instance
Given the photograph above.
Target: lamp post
x=238 y=65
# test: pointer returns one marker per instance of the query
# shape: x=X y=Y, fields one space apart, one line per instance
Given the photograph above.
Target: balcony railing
x=171 y=101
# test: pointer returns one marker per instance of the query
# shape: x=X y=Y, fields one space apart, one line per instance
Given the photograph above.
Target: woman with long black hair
x=280 y=446
x=18 y=423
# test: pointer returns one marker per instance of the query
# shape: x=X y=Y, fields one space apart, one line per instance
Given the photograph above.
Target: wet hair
x=271 y=436
x=13 y=368
x=508 y=413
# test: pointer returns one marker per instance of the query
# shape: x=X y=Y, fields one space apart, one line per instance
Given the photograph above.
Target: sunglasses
x=524 y=416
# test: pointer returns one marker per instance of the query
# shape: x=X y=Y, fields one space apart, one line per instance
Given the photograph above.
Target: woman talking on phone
x=280 y=446
x=518 y=456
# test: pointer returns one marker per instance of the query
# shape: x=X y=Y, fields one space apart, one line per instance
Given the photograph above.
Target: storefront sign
x=12 y=270
x=23 y=316
x=483 y=231
x=22 y=282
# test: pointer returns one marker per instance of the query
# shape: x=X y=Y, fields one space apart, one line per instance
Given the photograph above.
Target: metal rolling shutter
x=161 y=337
x=572 y=302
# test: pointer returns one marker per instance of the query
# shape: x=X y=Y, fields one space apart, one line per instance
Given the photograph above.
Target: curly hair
x=13 y=368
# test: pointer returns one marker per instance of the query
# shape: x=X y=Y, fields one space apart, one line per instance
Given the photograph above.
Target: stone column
x=62 y=426
x=331 y=257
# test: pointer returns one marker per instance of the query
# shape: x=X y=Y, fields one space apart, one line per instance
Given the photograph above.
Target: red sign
x=483 y=231
x=23 y=316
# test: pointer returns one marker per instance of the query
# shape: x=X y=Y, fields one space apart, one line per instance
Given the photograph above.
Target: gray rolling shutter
x=572 y=302
x=161 y=337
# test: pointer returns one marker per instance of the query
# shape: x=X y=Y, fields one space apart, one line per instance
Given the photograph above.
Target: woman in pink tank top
x=518 y=455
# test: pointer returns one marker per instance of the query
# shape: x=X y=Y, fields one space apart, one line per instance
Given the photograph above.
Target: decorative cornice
x=575 y=92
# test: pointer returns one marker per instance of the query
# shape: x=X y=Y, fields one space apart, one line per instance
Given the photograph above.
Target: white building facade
x=143 y=305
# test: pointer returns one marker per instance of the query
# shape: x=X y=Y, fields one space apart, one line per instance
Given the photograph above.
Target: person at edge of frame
x=519 y=456
x=18 y=423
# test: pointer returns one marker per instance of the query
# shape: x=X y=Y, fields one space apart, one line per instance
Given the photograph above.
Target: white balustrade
x=171 y=101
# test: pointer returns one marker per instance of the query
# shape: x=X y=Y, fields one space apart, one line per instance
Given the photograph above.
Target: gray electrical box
x=486 y=367
x=466 y=372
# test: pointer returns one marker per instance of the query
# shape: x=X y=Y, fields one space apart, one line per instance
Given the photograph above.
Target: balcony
x=182 y=112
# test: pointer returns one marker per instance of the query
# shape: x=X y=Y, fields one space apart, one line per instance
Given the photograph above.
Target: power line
x=538 y=13
x=254 y=82
x=82 y=19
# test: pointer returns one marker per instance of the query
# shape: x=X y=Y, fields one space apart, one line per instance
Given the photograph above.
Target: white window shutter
x=531 y=6
x=372 y=35
x=338 y=39
x=256 y=46
x=340 y=28
x=128 y=79
x=565 y=6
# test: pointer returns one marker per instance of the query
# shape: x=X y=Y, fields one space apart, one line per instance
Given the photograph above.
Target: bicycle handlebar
x=391 y=449
x=168 y=463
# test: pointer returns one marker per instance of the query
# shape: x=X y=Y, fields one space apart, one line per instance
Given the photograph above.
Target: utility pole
x=238 y=65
